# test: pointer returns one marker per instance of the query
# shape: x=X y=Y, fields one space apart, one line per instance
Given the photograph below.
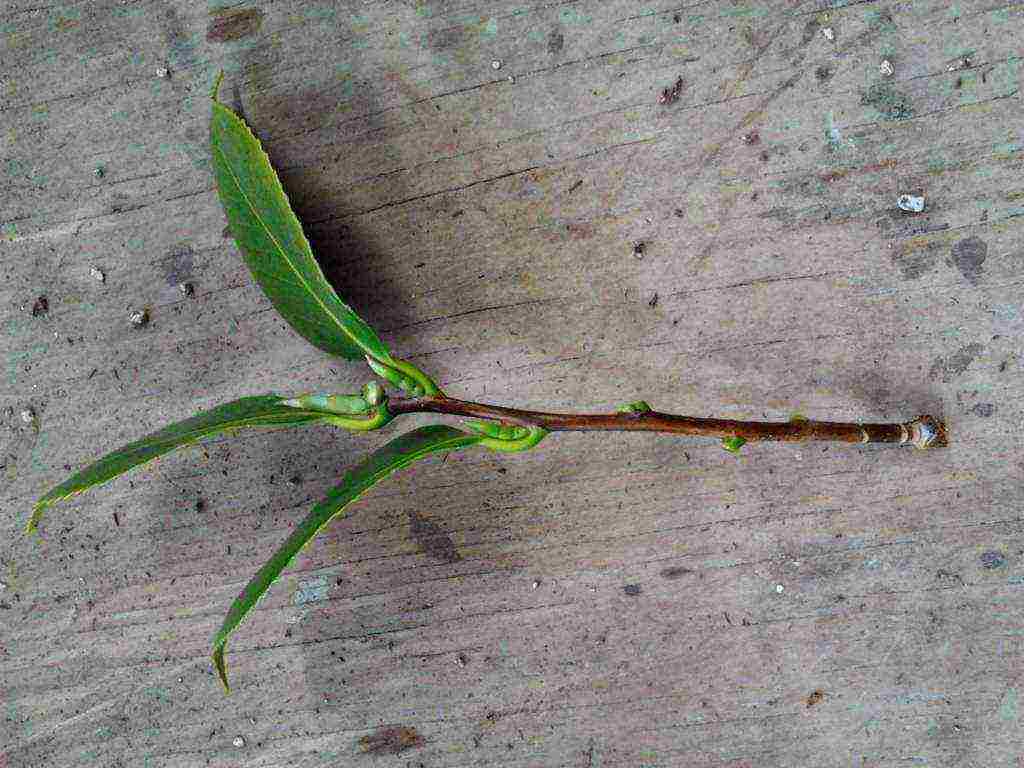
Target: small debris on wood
x=238 y=741
x=911 y=203
x=462 y=660
x=187 y=289
x=576 y=185
x=654 y=301
x=638 y=248
x=28 y=416
x=752 y=138
x=97 y=275
x=200 y=505
x=886 y=68
x=41 y=306
x=512 y=79
x=495 y=64
x=163 y=72
x=963 y=62
x=816 y=697
x=139 y=318
x=8 y=412
x=117 y=520
x=671 y=94
x=632 y=589
x=99 y=171
x=828 y=33
x=536 y=583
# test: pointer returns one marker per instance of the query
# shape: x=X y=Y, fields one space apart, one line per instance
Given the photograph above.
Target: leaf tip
x=216 y=86
x=221 y=666
x=32 y=526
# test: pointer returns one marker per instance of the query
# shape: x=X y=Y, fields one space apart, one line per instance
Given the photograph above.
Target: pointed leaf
x=399 y=453
x=275 y=248
x=262 y=411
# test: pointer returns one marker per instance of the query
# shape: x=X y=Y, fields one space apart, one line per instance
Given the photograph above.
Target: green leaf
x=262 y=411
x=400 y=452
x=275 y=248
x=733 y=444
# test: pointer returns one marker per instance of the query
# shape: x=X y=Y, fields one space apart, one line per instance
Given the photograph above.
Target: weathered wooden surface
x=602 y=600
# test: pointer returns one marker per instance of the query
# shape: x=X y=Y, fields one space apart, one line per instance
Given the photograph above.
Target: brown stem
x=923 y=432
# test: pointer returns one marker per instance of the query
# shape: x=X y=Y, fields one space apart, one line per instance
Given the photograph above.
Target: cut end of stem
x=926 y=432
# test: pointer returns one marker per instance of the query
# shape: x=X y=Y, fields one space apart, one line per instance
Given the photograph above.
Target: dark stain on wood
x=556 y=41
x=391 y=740
x=916 y=262
x=433 y=540
x=810 y=30
x=178 y=264
x=675 y=572
x=958 y=362
x=968 y=255
x=228 y=24
x=984 y=410
x=816 y=697
x=41 y=306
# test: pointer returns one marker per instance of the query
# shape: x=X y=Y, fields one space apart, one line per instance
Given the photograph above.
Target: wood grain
x=602 y=600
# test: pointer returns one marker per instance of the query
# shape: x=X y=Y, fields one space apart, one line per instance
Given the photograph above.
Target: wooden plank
x=474 y=176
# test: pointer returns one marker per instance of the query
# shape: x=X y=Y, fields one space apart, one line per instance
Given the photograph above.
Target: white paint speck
x=828 y=33
x=139 y=317
x=2 y=586
x=163 y=72
x=535 y=584
x=238 y=741
x=512 y=79
x=495 y=64
x=97 y=275
x=28 y=415
x=886 y=68
x=911 y=203
x=779 y=588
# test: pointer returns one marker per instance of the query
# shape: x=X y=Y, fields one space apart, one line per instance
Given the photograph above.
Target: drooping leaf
x=261 y=411
x=400 y=452
x=275 y=248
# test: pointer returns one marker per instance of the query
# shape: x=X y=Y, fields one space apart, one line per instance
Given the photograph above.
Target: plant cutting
x=272 y=243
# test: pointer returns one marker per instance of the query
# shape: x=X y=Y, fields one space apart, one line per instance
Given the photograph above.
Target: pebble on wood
x=911 y=203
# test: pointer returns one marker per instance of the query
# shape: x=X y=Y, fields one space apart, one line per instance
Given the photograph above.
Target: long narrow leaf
x=399 y=453
x=275 y=248
x=261 y=411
